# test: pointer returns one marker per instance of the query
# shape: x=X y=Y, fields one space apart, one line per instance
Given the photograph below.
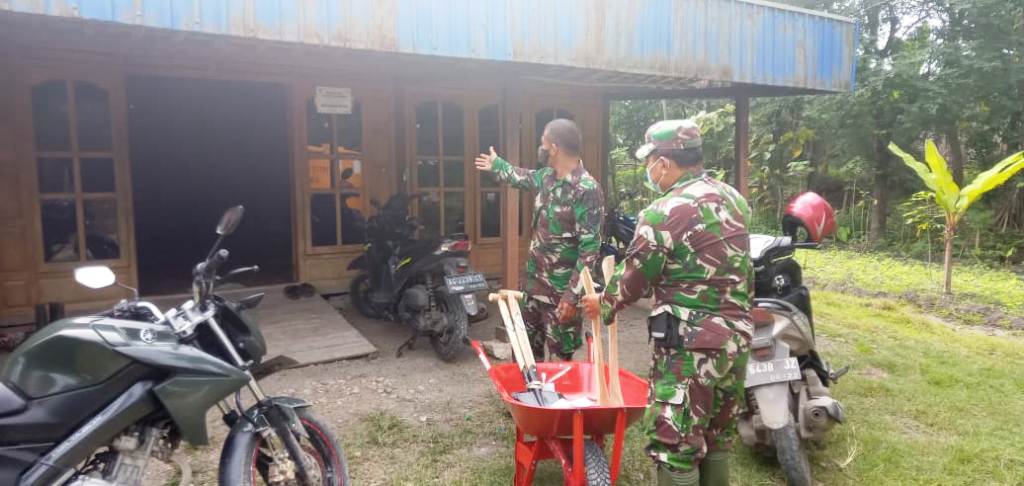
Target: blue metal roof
x=730 y=41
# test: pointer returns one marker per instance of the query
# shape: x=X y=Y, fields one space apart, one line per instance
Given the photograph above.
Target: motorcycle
x=788 y=399
x=88 y=401
x=426 y=284
x=618 y=229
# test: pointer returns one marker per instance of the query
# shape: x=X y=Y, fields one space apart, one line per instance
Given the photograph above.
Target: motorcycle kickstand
x=409 y=344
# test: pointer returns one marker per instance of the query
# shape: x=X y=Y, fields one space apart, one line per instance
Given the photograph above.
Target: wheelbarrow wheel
x=598 y=472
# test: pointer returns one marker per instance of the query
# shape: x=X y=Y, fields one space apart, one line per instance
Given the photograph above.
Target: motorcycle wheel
x=791 y=456
x=359 y=292
x=321 y=450
x=448 y=343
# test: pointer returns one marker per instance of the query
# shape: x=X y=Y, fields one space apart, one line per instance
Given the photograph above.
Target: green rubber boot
x=714 y=469
x=674 y=478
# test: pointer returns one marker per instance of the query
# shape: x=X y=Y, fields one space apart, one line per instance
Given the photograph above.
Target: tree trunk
x=947 y=262
x=956 y=154
x=879 y=206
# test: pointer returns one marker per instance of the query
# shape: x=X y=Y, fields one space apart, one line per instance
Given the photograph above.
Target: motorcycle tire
x=449 y=342
x=359 y=293
x=791 y=456
x=249 y=467
x=598 y=472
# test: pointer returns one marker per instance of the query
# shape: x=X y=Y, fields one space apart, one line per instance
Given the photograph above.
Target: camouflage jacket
x=567 y=217
x=691 y=245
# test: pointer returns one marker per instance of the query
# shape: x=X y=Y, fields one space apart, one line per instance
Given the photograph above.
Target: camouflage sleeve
x=517 y=177
x=589 y=213
x=639 y=269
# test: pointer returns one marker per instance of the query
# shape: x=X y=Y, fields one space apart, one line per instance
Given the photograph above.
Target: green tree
x=954 y=200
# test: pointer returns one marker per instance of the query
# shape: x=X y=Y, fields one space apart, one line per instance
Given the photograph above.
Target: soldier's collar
x=573 y=177
x=687 y=178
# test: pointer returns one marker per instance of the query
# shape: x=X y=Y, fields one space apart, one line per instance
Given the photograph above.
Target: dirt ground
x=418 y=387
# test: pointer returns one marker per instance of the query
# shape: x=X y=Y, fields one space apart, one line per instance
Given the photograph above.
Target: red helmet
x=813 y=213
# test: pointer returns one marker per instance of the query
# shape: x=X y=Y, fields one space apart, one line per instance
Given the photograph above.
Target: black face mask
x=542 y=157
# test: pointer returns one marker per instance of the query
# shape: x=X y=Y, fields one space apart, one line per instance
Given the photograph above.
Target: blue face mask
x=651 y=183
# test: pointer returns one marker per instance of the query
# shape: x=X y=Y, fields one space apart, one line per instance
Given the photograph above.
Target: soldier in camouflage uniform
x=691 y=246
x=567 y=215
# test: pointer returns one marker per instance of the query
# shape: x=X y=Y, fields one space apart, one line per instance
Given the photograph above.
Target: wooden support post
x=510 y=196
x=742 y=144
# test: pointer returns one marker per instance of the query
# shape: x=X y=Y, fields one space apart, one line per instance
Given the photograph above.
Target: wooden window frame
x=469 y=121
x=119 y=195
x=334 y=157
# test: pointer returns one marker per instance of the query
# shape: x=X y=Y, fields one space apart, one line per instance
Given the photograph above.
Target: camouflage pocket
x=705 y=337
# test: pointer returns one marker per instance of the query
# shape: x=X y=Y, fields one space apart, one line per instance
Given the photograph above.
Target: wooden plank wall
x=17 y=289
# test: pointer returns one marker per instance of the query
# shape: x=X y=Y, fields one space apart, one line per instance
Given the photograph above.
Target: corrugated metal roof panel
x=738 y=41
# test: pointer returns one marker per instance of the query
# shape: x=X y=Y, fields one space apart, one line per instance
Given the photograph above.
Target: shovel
x=535 y=393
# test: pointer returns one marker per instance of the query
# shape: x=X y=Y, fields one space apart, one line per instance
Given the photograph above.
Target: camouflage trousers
x=544 y=329
x=695 y=396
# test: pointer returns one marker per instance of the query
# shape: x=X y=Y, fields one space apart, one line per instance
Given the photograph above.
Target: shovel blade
x=537 y=398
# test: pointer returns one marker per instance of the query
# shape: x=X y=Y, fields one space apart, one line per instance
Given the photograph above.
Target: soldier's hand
x=486 y=161
x=565 y=311
x=591 y=306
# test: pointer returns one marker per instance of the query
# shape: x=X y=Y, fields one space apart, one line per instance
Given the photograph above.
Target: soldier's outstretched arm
x=589 y=214
x=517 y=177
x=641 y=266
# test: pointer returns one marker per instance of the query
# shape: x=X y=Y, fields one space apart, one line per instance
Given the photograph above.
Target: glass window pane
x=490 y=214
x=50 y=116
x=56 y=176
x=454 y=173
x=350 y=185
x=60 y=230
x=453 y=129
x=489 y=128
x=320 y=173
x=350 y=130
x=426 y=129
x=430 y=215
x=454 y=213
x=565 y=114
x=101 y=241
x=488 y=179
x=97 y=175
x=323 y=220
x=318 y=130
x=353 y=220
x=428 y=173
x=540 y=120
x=92 y=117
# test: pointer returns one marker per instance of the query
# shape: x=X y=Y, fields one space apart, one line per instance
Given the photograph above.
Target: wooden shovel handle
x=614 y=385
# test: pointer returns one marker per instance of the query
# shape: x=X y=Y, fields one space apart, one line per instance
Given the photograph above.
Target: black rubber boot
x=714 y=469
x=675 y=478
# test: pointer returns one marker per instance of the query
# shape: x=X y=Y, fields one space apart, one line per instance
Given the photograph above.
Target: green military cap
x=669 y=134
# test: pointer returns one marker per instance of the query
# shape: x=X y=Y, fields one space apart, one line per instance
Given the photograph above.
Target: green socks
x=714 y=469
x=674 y=478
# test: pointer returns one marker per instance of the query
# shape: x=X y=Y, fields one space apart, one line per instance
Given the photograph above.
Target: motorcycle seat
x=762 y=246
x=10 y=401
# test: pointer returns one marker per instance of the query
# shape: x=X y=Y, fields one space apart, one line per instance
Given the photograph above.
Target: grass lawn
x=982 y=295
x=927 y=404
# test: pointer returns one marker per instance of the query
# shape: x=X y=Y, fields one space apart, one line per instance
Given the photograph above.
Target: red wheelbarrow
x=575 y=436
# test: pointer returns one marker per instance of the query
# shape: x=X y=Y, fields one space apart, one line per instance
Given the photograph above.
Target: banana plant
x=951 y=198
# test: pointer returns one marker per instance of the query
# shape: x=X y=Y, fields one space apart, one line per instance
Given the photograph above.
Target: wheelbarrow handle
x=480 y=353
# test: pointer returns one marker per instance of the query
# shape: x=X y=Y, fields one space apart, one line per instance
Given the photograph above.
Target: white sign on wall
x=333 y=101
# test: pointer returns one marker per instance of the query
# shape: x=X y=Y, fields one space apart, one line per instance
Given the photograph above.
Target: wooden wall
x=381 y=85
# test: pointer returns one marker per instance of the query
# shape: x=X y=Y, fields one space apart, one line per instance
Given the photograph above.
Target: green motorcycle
x=89 y=401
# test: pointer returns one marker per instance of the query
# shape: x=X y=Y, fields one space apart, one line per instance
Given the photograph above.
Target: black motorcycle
x=88 y=401
x=424 y=283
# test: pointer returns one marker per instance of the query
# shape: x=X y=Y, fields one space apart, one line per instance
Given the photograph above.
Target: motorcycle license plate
x=465 y=283
x=774 y=371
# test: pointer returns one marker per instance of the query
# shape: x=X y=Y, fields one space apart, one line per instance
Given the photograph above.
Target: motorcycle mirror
x=95 y=277
x=230 y=220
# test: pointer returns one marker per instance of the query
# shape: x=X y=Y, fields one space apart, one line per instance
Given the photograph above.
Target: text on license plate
x=774 y=371
x=470 y=282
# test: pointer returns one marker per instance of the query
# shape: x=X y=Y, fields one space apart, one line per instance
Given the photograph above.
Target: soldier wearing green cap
x=691 y=246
